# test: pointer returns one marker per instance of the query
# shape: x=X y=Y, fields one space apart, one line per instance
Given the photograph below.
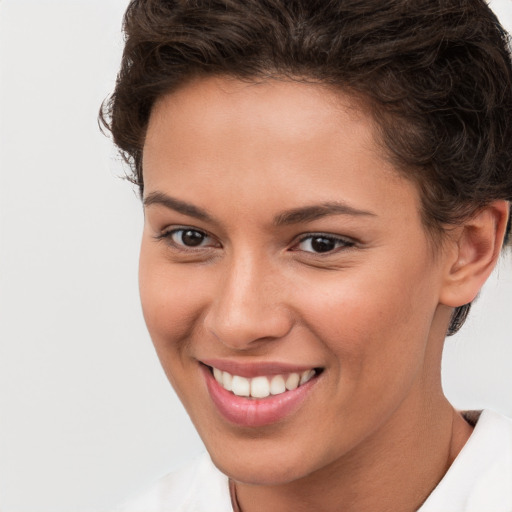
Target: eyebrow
x=294 y=216
x=310 y=213
x=178 y=206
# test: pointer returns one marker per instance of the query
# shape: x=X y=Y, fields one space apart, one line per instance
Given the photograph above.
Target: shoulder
x=480 y=478
x=197 y=487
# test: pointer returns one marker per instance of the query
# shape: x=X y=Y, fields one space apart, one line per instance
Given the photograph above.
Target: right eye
x=184 y=238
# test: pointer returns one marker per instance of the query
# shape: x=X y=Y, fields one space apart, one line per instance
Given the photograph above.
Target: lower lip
x=246 y=412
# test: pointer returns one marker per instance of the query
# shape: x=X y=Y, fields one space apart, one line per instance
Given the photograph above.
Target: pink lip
x=247 y=412
x=250 y=370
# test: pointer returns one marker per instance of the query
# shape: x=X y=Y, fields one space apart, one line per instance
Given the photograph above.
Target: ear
x=477 y=246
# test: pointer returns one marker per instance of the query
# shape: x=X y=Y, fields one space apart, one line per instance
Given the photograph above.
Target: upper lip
x=255 y=369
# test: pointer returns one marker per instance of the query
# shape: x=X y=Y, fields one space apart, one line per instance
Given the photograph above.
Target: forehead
x=293 y=142
x=293 y=111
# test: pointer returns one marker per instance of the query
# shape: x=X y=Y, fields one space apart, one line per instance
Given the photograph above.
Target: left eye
x=319 y=244
x=190 y=238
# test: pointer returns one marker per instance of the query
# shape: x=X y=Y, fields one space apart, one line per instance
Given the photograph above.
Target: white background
x=87 y=417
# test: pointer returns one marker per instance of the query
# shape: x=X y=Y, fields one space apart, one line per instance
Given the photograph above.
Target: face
x=285 y=259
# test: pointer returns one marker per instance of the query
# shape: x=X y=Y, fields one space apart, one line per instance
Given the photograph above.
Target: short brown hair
x=435 y=74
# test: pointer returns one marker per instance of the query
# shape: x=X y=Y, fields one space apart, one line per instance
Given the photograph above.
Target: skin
x=372 y=312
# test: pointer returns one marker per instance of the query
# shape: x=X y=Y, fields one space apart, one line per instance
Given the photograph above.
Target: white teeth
x=305 y=376
x=227 y=379
x=292 y=382
x=218 y=375
x=260 y=387
x=277 y=385
x=240 y=385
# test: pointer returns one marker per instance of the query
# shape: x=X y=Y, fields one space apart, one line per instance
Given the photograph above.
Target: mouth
x=262 y=386
x=265 y=395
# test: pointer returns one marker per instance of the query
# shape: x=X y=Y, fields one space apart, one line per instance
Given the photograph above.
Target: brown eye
x=319 y=244
x=190 y=238
x=322 y=244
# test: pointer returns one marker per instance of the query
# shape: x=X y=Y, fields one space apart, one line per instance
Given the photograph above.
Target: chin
x=257 y=472
x=260 y=461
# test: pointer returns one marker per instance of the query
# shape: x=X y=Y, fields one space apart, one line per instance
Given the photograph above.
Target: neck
x=395 y=470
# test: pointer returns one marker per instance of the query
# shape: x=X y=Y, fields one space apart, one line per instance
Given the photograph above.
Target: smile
x=262 y=386
x=265 y=394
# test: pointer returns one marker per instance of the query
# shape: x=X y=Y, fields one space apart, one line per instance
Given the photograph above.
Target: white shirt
x=197 y=487
x=479 y=480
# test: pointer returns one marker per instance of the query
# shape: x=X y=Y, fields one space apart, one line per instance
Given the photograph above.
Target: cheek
x=171 y=299
x=375 y=322
x=172 y=303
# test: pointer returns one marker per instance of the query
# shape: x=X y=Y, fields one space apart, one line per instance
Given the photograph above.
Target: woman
x=326 y=188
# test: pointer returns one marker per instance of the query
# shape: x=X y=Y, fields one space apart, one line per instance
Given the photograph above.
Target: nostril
x=242 y=332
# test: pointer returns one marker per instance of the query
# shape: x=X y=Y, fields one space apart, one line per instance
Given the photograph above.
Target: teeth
x=305 y=376
x=218 y=375
x=227 y=379
x=240 y=386
x=277 y=385
x=292 y=382
x=261 y=387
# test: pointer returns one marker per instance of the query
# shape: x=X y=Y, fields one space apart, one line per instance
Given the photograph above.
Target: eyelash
x=167 y=235
x=338 y=241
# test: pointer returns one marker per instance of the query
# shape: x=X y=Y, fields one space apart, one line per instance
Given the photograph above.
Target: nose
x=249 y=307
